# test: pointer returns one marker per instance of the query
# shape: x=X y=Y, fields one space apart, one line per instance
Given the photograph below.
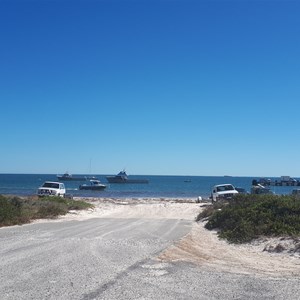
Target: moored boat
x=122 y=177
x=94 y=185
x=69 y=177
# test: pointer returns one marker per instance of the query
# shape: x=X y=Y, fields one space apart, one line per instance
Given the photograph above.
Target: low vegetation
x=17 y=211
x=247 y=217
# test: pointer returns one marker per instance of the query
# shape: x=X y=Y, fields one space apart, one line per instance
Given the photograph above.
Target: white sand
x=153 y=208
x=200 y=246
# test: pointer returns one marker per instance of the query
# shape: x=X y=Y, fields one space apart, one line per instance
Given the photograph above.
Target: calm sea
x=158 y=186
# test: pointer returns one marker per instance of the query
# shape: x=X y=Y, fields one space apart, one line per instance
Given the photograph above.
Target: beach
x=140 y=248
x=200 y=246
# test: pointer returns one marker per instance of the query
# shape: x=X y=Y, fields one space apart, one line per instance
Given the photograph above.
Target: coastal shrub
x=70 y=204
x=15 y=210
x=247 y=217
x=49 y=209
x=209 y=210
x=9 y=211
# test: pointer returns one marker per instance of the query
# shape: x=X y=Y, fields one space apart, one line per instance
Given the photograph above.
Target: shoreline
x=144 y=200
x=155 y=208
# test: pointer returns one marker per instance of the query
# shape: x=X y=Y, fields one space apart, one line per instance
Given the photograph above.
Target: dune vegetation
x=16 y=210
x=247 y=217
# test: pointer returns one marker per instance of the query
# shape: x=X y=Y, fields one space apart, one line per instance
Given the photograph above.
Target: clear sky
x=156 y=87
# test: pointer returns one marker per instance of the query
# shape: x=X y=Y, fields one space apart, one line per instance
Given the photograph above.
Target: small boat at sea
x=187 y=180
x=69 y=177
x=122 y=177
x=95 y=185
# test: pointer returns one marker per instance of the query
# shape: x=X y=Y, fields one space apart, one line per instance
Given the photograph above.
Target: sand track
x=200 y=246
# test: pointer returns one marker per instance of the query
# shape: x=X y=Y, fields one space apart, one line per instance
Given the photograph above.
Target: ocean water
x=158 y=186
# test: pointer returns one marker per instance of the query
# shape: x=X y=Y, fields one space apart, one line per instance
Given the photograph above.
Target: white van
x=51 y=188
x=223 y=192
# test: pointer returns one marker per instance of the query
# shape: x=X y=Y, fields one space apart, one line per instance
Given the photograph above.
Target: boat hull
x=92 y=188
x=113 y=179
x=63 y=178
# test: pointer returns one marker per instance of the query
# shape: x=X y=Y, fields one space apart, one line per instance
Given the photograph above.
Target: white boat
x=95 y=185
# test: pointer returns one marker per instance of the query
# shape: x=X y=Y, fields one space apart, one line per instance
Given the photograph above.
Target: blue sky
x=156 y=87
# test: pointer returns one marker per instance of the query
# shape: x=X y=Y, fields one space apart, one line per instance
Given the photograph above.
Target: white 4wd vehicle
x=50 y=188
x=223 y=192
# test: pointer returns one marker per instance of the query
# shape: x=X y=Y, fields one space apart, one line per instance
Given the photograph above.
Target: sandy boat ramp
x=200 y=246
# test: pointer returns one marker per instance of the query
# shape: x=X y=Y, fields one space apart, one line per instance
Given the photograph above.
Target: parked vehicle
x=223 y=192
x=50 y=188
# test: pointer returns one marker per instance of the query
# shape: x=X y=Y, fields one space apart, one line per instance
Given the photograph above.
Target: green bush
x=247 y=217
x=49 y=208
x=15 y=210
x=9 y=211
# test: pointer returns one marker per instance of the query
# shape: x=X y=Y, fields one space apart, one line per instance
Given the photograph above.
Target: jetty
x=282 y=181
